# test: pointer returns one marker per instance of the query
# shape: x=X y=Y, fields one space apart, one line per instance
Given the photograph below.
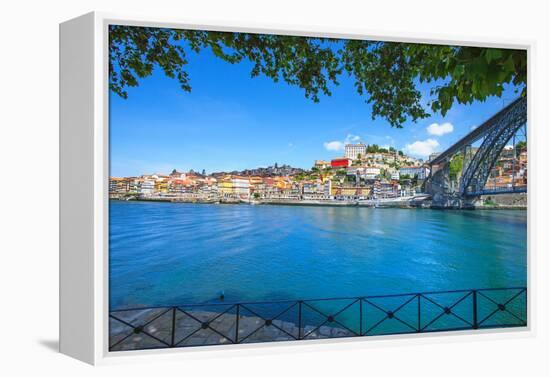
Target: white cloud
x=334 y=146
x=422 y=148
x=352 y=139
x=337 y=146
x=436 y=129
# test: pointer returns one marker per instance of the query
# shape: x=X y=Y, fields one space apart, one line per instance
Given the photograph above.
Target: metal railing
x=251 y=322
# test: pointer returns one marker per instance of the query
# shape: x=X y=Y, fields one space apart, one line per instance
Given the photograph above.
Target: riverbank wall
x=505 y=200
x=511 y=201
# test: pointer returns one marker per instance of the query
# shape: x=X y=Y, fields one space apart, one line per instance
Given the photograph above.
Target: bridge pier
x=445 y=191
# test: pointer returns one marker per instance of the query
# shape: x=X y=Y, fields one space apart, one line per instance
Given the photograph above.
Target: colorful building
x=316 y=190
x=385 y=190
x=119 y=185
x=321 y=164
x=340 y=162
x=233 y=186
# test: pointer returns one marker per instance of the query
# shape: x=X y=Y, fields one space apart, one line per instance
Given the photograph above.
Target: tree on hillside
x=521 y=146
x=455 y=166
x=373 y=148
x=385 y=73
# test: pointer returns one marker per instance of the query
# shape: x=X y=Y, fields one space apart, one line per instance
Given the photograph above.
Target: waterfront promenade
x=218 y=324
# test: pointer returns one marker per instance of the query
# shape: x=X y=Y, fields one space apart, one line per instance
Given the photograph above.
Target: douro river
x=170 y=254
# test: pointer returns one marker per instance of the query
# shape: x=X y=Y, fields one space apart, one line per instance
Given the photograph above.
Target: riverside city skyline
x=362 y=173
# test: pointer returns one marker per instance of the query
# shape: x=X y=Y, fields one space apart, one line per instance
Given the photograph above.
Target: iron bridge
x=496 y=132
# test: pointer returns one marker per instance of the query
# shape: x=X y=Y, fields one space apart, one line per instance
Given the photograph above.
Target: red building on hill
x=340 y=163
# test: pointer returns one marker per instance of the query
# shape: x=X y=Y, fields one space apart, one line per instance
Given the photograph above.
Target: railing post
x=526 y=307
x=173 y=327
x=474 y=301
x=299 y=319
x=419 y=315
x=237 y=324
x=360 y=316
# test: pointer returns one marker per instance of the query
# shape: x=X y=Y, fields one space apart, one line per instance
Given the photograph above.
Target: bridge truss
x=504 y=126
x=496 y=132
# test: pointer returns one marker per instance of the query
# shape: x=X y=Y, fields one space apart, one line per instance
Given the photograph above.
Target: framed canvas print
x=224 y=187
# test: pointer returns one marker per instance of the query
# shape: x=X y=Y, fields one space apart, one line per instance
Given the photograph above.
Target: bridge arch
x=503 y=128
x=496 y=133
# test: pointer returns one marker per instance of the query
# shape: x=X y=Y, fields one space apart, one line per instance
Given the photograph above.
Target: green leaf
x=509 y=64
x=492 y=54
x=385 y=73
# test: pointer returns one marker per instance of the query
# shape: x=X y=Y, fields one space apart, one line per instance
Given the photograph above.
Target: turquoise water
x=170 y=254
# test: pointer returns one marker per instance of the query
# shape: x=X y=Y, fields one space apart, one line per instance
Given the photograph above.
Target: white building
x=353 y=151
x=241 y=186
x=148 y=186
x=390 y=158
x=372 y=172
x=421 y=172
x=317 y=190
x=394 y=174
x=375 y=157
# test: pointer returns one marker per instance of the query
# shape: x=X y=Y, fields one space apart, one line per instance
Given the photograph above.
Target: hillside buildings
x=362 y=173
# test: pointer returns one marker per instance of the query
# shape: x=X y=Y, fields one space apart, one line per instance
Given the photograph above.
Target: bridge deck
x=476 y=134
x=497 y=191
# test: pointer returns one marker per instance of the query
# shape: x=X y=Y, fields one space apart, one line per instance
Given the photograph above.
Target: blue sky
x=231 y=121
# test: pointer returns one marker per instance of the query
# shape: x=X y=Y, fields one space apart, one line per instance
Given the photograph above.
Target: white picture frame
x=84 y=167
